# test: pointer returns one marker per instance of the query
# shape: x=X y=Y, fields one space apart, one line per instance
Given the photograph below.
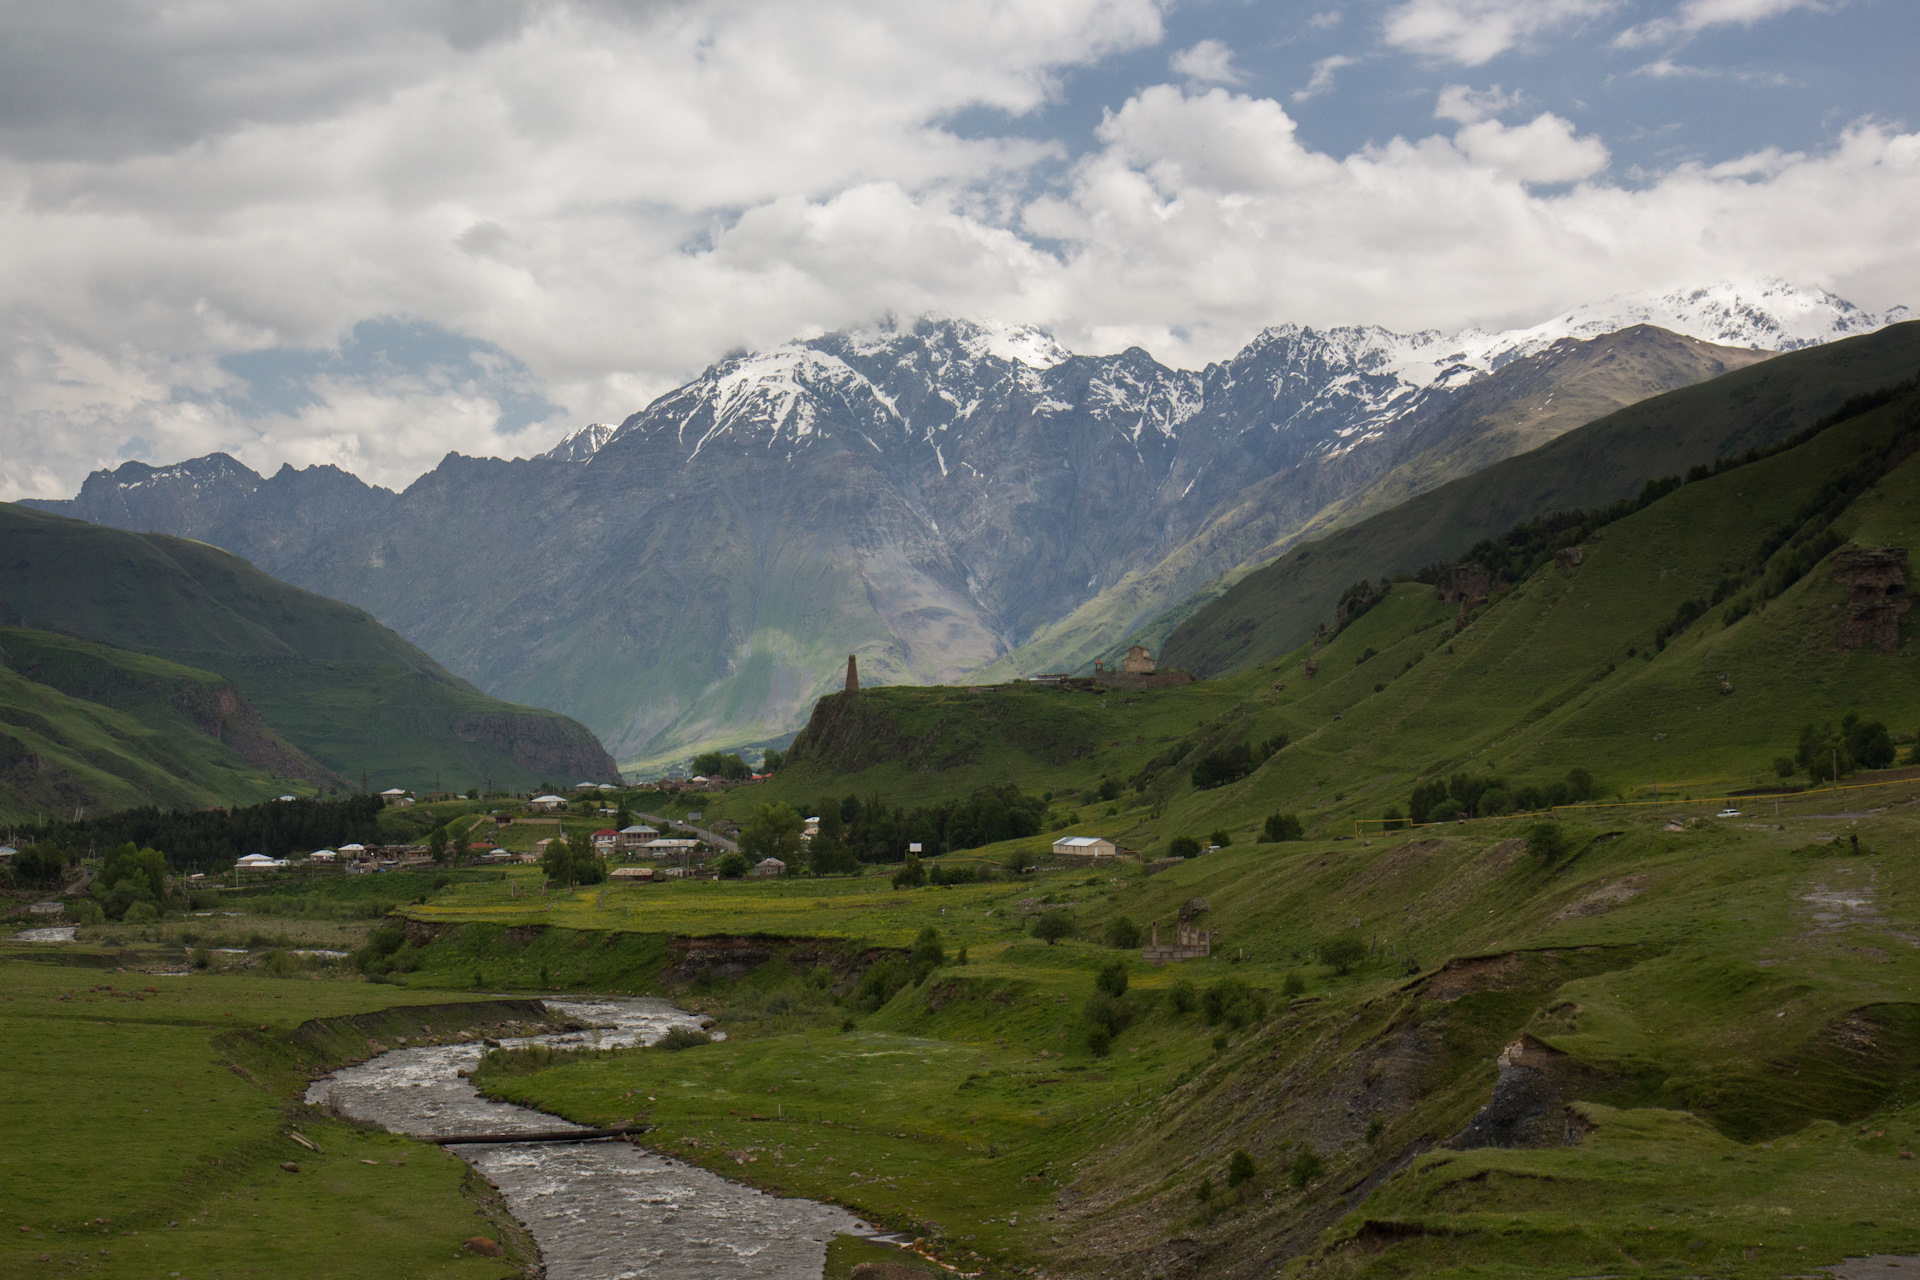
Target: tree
x=1546 y=840
x=1185 y=996
x=1240 y=1169
x=456 y=845
x=1218 y=768
x=130 y=877
x=40 y=864
x=775 y=831
x=1307 y=1167
x=911 y=875
x=1220 y=838
x=437 y=844
x=927 y=951
x=1184 y=847
x=1122 y=932
x=1109 y=789
x=721 y=764
x=771 y=761
x=1343 y=951
x=1868 y=742
x=828 y=852
x=556 y=861
x=1054 y=924
x=1823 y=753
x=730 y=866
x=1112 y=979
x=1281 y=827
x=1393 y=819
x=1020 y=861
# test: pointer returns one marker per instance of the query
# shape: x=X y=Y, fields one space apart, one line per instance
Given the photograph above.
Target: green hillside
x=351 y=697
x=1565 y=669
x=143 y=743
x=1275 y=609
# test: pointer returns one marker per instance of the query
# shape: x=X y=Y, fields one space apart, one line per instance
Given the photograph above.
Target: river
x=603 y=1210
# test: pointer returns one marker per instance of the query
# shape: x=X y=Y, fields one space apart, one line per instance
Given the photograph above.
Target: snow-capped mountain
x=931 y=495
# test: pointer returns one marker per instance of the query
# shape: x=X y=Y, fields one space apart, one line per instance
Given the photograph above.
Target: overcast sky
x=370 y=231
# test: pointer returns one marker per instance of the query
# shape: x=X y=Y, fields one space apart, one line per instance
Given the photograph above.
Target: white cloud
x=1469 y=106
x=1209 y=62
x=1322 y=78
x=1472 y=32
x=1542 y=150
x=1695 y=16
x=612 y=198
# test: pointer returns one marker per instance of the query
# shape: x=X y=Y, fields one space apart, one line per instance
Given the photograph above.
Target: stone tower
x=853 y=673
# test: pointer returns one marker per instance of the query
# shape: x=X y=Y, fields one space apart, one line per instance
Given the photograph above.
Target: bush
x=911 y=875
x=1122 y=932
x=1099 y=1041
x=1054 y=924
x=1185 y=997
x=1232 y=1001
x=143 y=913
x=1240 y=1169
x=1282 y=827
x=86 y=911
x=1783 y=767
x=1184 y=847
x=1869 y=743
x=202 y=957
x=1307 y=1167
x=1295 y=985
x=730 y=866
x=1218 y=768
x=928 y=954
x=879 y=983
x=1393 y=820
x=1109 y=789
x=1546 y=840
x=678 y=1038
x=277 y=963
x=1343 y=951
x=1204 y=1192
x=1221 y=838
x=1375 y=1127
x=1021 y=861
x=1113 y=979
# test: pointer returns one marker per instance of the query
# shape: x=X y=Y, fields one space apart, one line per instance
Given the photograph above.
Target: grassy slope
x=146 y=1120
x=1656 y=959
x=325 y=675
x=1275 y=609
x=1525 y=405
x=65 y=753
x=1540 y=683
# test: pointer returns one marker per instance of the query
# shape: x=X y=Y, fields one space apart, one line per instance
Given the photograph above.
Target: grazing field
x=146 y=1122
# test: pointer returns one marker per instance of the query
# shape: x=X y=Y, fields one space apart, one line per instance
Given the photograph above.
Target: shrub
x=141 y=913
x=1240 y=1169
x=1221 y=838
x=730 y=866
x=1868 y=742
x=1113 y=979
x=1122 y=932
x=1232 y=1001
x=1099 y=1041
x=1204 y=1192
x=1281 y=827
x=1218 y=768
x=1109 y=789
x=1295 y=985
x=1021 y=861
x=911 y=875
x=1783 y=767
x=678 y=1038
x=1307 y=1167
x=1343 y=951
x=928 y=954
x=1447 y=810
x=1103 y=1009
x=1220 y=1042
x=1185 y=997
x=1546 y=840
x=879 y=983
x=1392 y=820
x=1054 y=924
x=86 y=911
x=278 y=963
x=1184 y=847
x=1375 y=1127
x=202 y=957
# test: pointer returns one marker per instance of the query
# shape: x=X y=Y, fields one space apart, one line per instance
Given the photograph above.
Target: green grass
x=1273 y=610
x=146 y=1120
x=1664 y=993
x=327 y=677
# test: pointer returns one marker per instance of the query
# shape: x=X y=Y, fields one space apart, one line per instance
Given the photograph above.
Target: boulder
x=1193 y=907
x=484 y=1247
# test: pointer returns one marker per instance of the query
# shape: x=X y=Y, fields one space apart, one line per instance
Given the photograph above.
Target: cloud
x=1542 y=150
x=1469 y=106
x=431 y=246
x=1472 y=32
x=1668 y=69
x=1209 y=62
x=1322 y=78
x=1695 y=16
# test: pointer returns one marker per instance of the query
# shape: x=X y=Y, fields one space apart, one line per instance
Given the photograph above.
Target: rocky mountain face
x=933 y=497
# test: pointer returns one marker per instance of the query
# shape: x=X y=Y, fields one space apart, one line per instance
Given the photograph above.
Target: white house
x=668 y=848
x=259 y=862
x=322 y=855
x=770 y=868
x=631 y=874
x=547 y=804
x=7 y=851
x=1086 y=848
